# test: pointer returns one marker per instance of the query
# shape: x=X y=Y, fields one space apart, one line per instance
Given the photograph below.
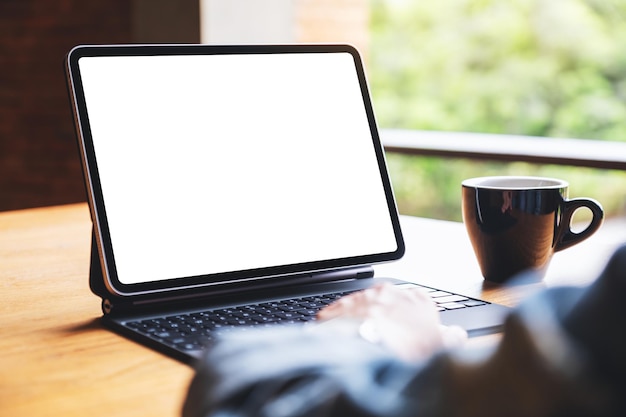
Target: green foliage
x=431 y=187
x=554 y=68
x=531 y=67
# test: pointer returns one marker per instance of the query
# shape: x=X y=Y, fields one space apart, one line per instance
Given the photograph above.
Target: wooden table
x=57 y=361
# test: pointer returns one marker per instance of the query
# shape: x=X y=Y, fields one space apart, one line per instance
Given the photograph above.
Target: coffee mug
x=517 y=223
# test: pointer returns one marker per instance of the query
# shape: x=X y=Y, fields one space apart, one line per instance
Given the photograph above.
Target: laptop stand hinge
x=108 y=306
x=114 y=305
x=369 y=273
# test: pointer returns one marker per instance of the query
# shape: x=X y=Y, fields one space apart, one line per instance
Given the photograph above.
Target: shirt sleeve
x=288 y=372
x=556 y=357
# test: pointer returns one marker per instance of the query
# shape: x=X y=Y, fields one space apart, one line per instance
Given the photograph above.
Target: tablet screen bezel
x=98 y=205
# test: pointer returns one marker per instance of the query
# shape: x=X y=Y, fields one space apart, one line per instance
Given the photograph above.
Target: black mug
x=517 y=223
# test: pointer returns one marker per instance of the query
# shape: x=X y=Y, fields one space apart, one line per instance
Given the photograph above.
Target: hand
x=404 y=320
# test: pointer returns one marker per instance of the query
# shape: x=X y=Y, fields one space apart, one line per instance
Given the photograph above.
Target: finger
x=334 y=309
x=359 y=304
x=453 y=336
x=355 y=304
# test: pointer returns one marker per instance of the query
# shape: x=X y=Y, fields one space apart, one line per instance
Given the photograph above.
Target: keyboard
x=196 y=330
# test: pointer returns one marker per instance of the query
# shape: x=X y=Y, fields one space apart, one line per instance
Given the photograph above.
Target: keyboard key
x=451 y=306
x=439 y=293
x=289 y=315
x=291 y=307
x=474 y=303
x=450 y=299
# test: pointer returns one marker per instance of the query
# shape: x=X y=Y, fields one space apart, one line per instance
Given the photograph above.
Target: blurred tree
x=554 y=68
x=531 y=67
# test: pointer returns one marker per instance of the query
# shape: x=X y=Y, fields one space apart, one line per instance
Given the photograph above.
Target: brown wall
x=39 y=162
x=334 y=21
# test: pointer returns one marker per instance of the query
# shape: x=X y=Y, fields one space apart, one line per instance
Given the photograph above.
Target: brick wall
x=39 y=163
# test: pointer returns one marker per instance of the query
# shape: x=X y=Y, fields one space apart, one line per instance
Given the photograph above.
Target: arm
x=562 y=353
x=327 y=369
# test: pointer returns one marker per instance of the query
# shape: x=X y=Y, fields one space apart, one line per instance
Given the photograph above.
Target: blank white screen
x=219 y=163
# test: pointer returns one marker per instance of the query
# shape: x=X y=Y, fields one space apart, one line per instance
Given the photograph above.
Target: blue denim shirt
x=563 y=353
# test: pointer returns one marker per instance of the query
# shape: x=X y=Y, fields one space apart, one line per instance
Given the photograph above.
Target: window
x=524 y=67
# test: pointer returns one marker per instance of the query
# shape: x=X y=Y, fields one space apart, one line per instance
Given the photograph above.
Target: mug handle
x=566 y=238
